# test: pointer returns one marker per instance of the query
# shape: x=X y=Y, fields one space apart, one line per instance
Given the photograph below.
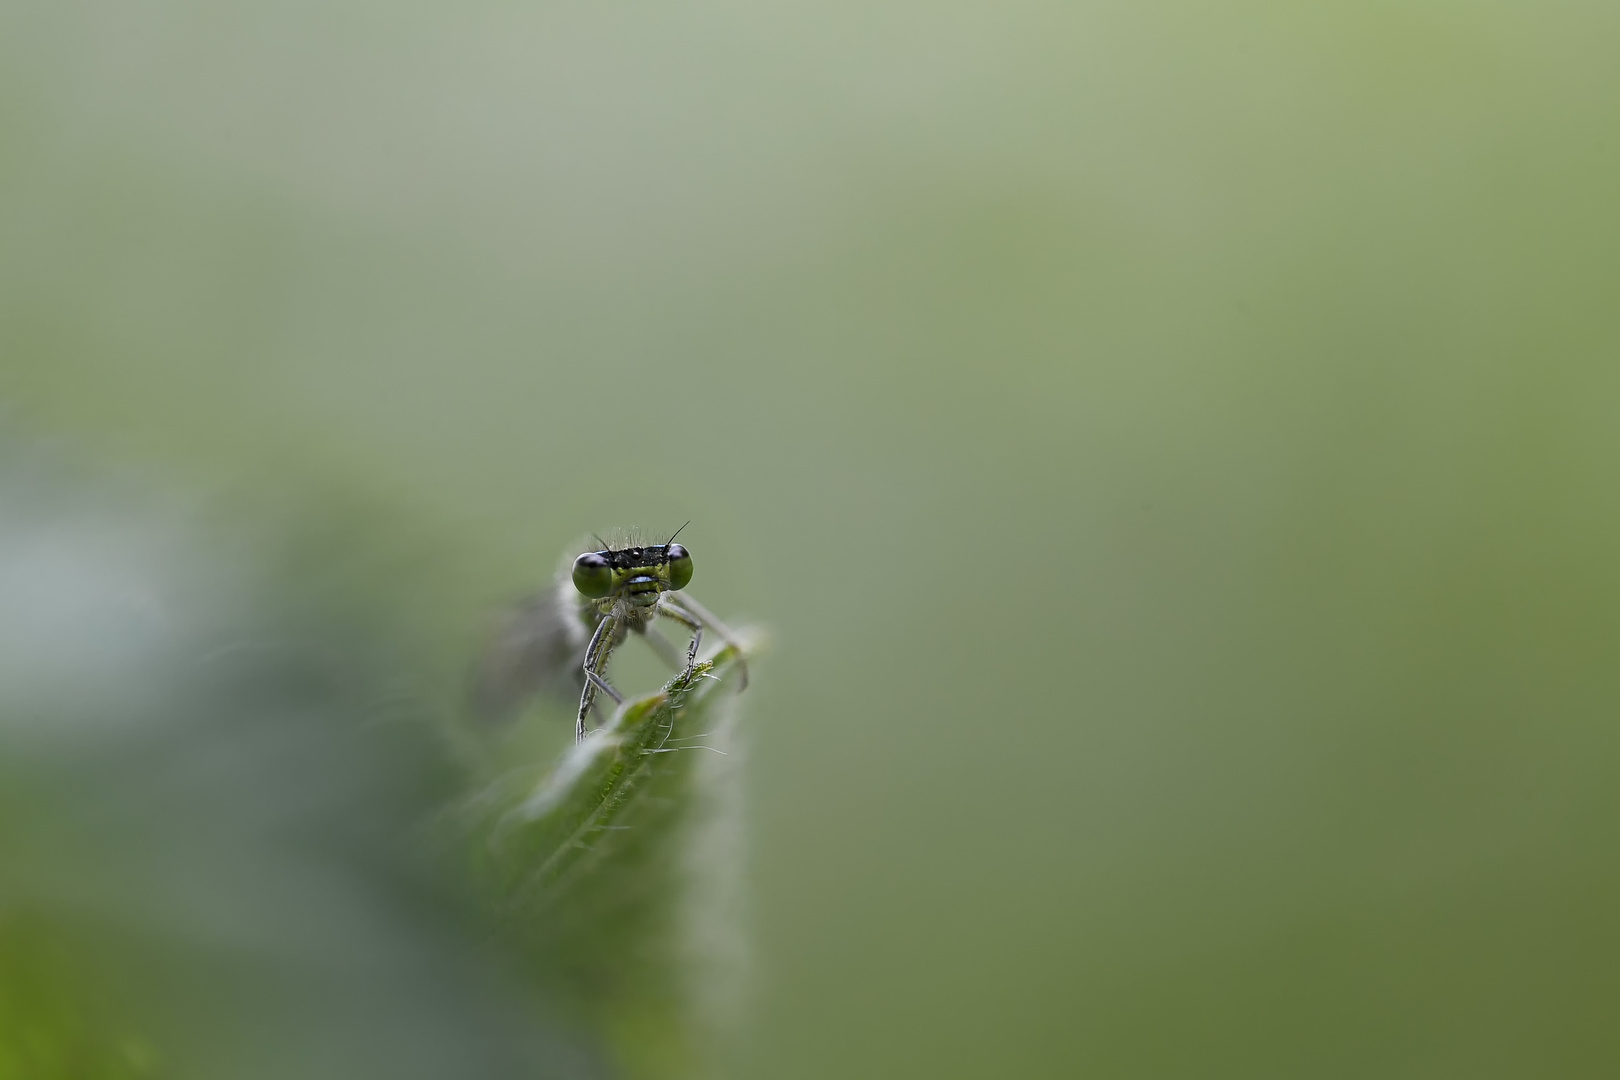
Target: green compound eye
x=680 y=566
x=593 y=577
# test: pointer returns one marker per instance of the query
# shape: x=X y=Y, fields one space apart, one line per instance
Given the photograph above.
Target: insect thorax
x=630 y=616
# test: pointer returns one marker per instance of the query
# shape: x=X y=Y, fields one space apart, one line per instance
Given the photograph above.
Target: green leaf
x=214 y=774
x=618 y=876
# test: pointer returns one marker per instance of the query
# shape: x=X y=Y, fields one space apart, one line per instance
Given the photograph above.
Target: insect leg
x=695 y=610
x=596 y=654
x=606 y=687
x=691 y=622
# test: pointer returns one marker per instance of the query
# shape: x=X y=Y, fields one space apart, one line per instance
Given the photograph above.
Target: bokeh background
x=1173 y=446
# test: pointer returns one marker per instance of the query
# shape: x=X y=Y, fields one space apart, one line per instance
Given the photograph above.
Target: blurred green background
x=1173 y=446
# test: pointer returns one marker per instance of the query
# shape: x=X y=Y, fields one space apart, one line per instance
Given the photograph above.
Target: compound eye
x=593 y=577
x=680 y=566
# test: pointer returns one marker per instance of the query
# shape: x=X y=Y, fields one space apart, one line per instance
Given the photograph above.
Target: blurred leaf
x=618 y=874
x=52 y=1023
x=214 y=772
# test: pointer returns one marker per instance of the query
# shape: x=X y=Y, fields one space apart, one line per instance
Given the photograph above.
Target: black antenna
x=673 y=535
x=601 y=541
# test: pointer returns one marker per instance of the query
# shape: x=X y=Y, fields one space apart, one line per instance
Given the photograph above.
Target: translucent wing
x=537 y=648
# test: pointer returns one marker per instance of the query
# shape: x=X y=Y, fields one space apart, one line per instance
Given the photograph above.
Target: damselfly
x=563 y=637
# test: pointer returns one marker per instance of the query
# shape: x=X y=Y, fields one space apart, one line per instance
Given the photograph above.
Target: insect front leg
x=688 y=620
x=697 y=616
x=596 y=655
